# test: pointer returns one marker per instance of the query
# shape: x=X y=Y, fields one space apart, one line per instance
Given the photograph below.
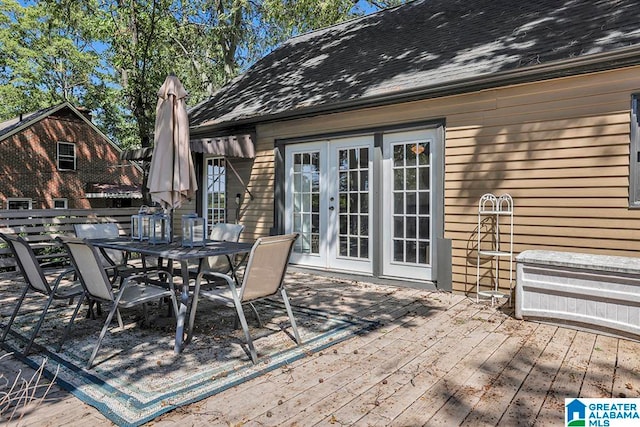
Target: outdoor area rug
x=137 y=377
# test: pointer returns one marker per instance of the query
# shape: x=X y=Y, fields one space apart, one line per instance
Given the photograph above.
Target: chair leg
x=120 y=322
x=253 y=307
x=37 y=328
x=245 y=327
x=15 y=313
x=102 y=334
x=294 y=326
x=145 y=314
x=90 y=313
x=255 y=311
x=68 y=328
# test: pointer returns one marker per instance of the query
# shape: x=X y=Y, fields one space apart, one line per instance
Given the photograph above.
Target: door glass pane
x=411 y=181
x=306 y=202
x=398 y=250
x=398 y=203
x=364 y=159
x=353 y=181
x=364 y=181
x=410 y=252
x=364 y=248
x=353 y=195
x=364 y=205
x=398 y=226
x=398 y=155
x=423 y=207
x=423 y=179
x=353 y=203
x=398 y=178
x=343 y=246
x=423 y=253
x=364 y=225
x=411 y=203
x=343 y=184
x=344 y=203
x=343 y=224
x=411 y=209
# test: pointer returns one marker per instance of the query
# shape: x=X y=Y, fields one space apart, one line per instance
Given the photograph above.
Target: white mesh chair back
x=266 y=267
x=87 y=262
x=101 y=231
x=227 y=233
x=27 y=263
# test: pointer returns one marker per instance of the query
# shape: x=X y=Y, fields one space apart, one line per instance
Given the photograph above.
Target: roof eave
x=34 y=119
x=619 y=58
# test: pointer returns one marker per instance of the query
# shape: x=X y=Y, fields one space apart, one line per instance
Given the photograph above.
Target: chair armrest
x=230 y=280
x=68 y=271
x=145 y=277
x=63 y=259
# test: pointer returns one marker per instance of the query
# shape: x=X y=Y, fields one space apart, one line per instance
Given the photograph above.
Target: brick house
x=57 y=158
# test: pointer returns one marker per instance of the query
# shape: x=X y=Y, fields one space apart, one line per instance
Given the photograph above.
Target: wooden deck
x=438 y=359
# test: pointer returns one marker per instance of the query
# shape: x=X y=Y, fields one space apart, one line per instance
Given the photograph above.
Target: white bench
x=595 y=292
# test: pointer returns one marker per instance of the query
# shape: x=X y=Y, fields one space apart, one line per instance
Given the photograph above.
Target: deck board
x=567 y=380
x=400 y=374
x=528 y=400
x=436 y=359
x=598 y=380
x=627 y=378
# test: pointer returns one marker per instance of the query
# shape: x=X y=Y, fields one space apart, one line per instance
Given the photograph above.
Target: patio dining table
x=176 y=252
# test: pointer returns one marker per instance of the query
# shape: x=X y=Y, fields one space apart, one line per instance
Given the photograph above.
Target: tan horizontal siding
x=561 y=149
x=590 y=125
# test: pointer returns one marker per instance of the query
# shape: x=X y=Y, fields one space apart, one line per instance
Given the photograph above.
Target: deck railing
x=40 y=227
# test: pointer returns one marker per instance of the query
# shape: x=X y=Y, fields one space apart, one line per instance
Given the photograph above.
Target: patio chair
x=37 y=279
x=222 y=264
x=263 y=278
x=97 y=286
x=112 y=260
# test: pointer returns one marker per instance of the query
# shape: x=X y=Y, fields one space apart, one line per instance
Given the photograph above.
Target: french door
x=411 y=220
x=328 y=201
x=374 y=216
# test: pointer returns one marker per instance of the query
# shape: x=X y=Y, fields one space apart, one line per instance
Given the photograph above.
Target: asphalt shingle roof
x=426 y=43
x=9 y=125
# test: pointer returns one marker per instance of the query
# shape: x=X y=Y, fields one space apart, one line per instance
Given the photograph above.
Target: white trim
x=205 y=192
x=66 y=156
x=119 y=195
x=63 y=200
x=328 y=255
x=38 y=117
x=390 y=267
x=20 y=199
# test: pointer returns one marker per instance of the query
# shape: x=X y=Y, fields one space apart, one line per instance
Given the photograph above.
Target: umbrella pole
x=170 y=214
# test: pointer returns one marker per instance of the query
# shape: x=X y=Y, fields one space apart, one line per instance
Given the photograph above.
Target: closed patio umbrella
x=172 y=177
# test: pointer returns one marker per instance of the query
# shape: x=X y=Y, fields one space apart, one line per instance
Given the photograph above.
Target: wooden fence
x=40 y=227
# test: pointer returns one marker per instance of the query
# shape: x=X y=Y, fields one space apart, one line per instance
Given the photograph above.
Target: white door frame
x=381 y=262
x=409 y=229
x=322 y=248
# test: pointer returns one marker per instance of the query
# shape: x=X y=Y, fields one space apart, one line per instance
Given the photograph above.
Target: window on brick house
x=66 y=156
x=60 y=204
x=16 y=203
